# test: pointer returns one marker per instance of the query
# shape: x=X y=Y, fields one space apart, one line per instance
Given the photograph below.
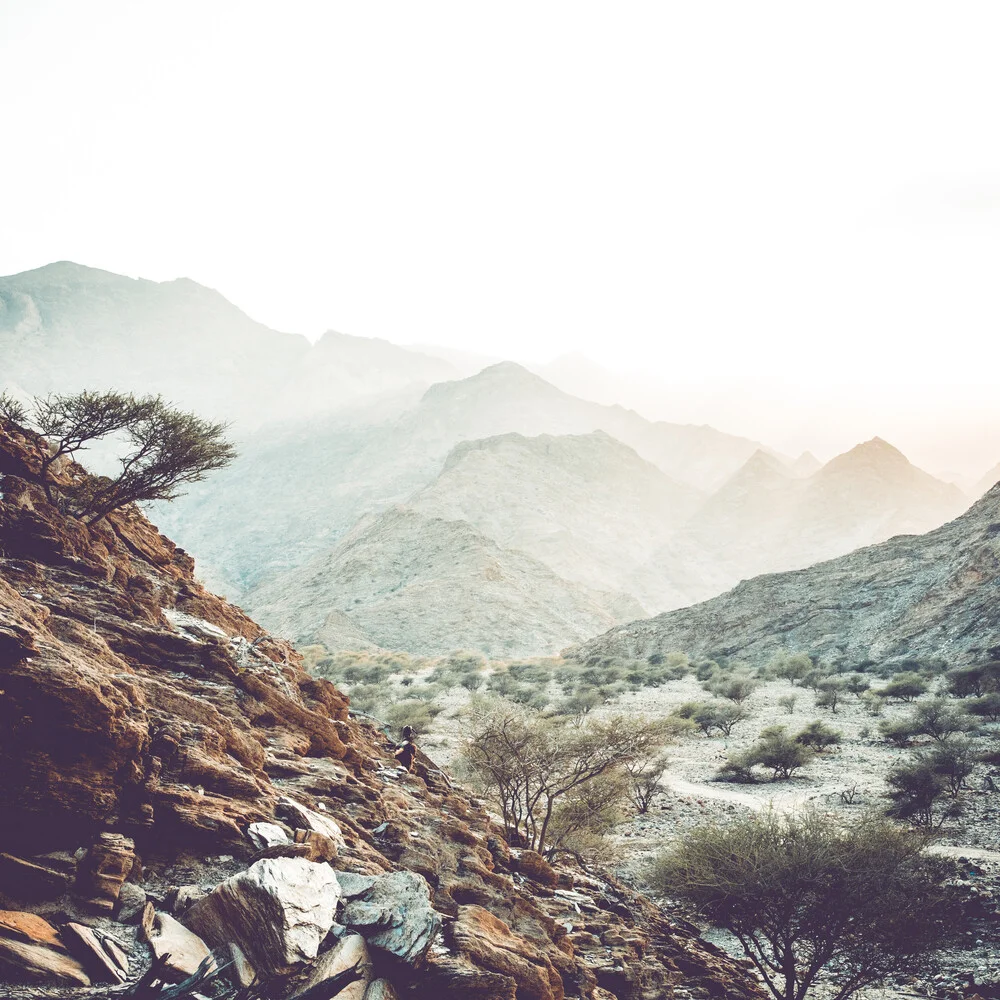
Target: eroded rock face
x=278 y=912
x=178 y=732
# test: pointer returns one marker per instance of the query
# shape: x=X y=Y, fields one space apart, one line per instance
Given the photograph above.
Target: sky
x=801 y=199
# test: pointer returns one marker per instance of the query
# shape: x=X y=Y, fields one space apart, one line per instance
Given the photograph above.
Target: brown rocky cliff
x=133 y=702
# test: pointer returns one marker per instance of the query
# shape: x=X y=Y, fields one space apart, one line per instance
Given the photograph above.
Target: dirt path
x=781 y=802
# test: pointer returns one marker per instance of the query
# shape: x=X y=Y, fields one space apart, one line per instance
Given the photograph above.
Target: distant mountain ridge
x=65 y=327
x=936 y=594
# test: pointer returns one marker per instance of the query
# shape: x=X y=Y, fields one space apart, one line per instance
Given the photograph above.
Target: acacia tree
x=166 y=447
x=528 y=763
x=802 y=894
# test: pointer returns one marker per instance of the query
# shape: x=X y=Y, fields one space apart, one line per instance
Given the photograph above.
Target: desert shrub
x=778 y=752
x=953 y=761
x=528 y=763
x=411 y=712
x=790 y=666
x=797 y=892
x=736 y=688
x=586 y=814
x=644 y=779
x=787 y=702
x=906 y=686
x=706 y=669
x=814 y=678
x=367 y=698
x=918 y=794
x=581 y=703
x=829 y=693
x=940 y=719
x=738 y=768
x=986 y=706
x=856 y=684
x=872 y=703
x=964 y=682
x=818 y=736
x=717 y=715
x=897 y=731
x=530 y=672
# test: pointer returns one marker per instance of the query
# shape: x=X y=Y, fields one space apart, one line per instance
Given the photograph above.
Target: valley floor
x=847 y=780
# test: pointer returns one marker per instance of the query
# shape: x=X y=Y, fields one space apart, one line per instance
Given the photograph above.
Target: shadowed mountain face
x=910 y=596
x=65 y=327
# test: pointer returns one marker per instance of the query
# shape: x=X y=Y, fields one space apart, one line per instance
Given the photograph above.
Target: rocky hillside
x=172 y=781
x=406 y=580
x=65 y=327
x=936 y=594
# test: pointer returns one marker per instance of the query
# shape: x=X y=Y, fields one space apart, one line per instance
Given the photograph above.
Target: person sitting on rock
x=407 y=750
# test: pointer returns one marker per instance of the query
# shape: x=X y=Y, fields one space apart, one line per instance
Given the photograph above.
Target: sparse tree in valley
x=803 y=895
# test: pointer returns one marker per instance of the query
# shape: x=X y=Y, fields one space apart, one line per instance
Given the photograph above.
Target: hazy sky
x=801 y=190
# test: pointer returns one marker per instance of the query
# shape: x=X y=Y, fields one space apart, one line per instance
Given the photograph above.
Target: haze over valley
x=387 y=498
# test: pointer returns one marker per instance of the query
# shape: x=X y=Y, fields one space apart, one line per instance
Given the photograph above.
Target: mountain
x=766 y=518
x=987 y=482
x=405 y=580
x=146 y=718
x=298 y=488
x=65 y=327
x=586 y=505
x=936 y=594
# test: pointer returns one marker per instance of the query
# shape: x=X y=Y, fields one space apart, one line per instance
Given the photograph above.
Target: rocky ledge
x=180 y=797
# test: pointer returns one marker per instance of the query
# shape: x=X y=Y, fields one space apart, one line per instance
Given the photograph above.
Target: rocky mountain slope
x=66 y=327
x=768 y=518
x=171 y=777
x=936 y=594
x=407 y=580
x=587 y=506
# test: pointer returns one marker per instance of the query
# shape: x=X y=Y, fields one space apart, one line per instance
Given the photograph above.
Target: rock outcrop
x=912 y=596
x=146 y=727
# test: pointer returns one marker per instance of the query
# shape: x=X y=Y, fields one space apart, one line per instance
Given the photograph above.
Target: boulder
x=181 y=898
x=395 y=916
x=352 y=885
x=131 y=903
x=105 y=960
x=32 y=952
x=278 y=912
x=301 y=817
x=349 y=954
x=264 y=835
x=319 y=845
x=169 y=937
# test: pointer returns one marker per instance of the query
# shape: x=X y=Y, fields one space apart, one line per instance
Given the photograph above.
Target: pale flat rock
x=104 y=959
x=37 y=963
x=307 y=819
x=278 y=912
x=167 y=936
x=395 y=915
x=264 y=835
x=29 y=928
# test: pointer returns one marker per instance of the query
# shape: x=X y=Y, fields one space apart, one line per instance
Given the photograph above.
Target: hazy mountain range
x=407 y=498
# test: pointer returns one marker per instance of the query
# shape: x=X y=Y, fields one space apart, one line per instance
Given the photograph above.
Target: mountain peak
x=876 y=453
